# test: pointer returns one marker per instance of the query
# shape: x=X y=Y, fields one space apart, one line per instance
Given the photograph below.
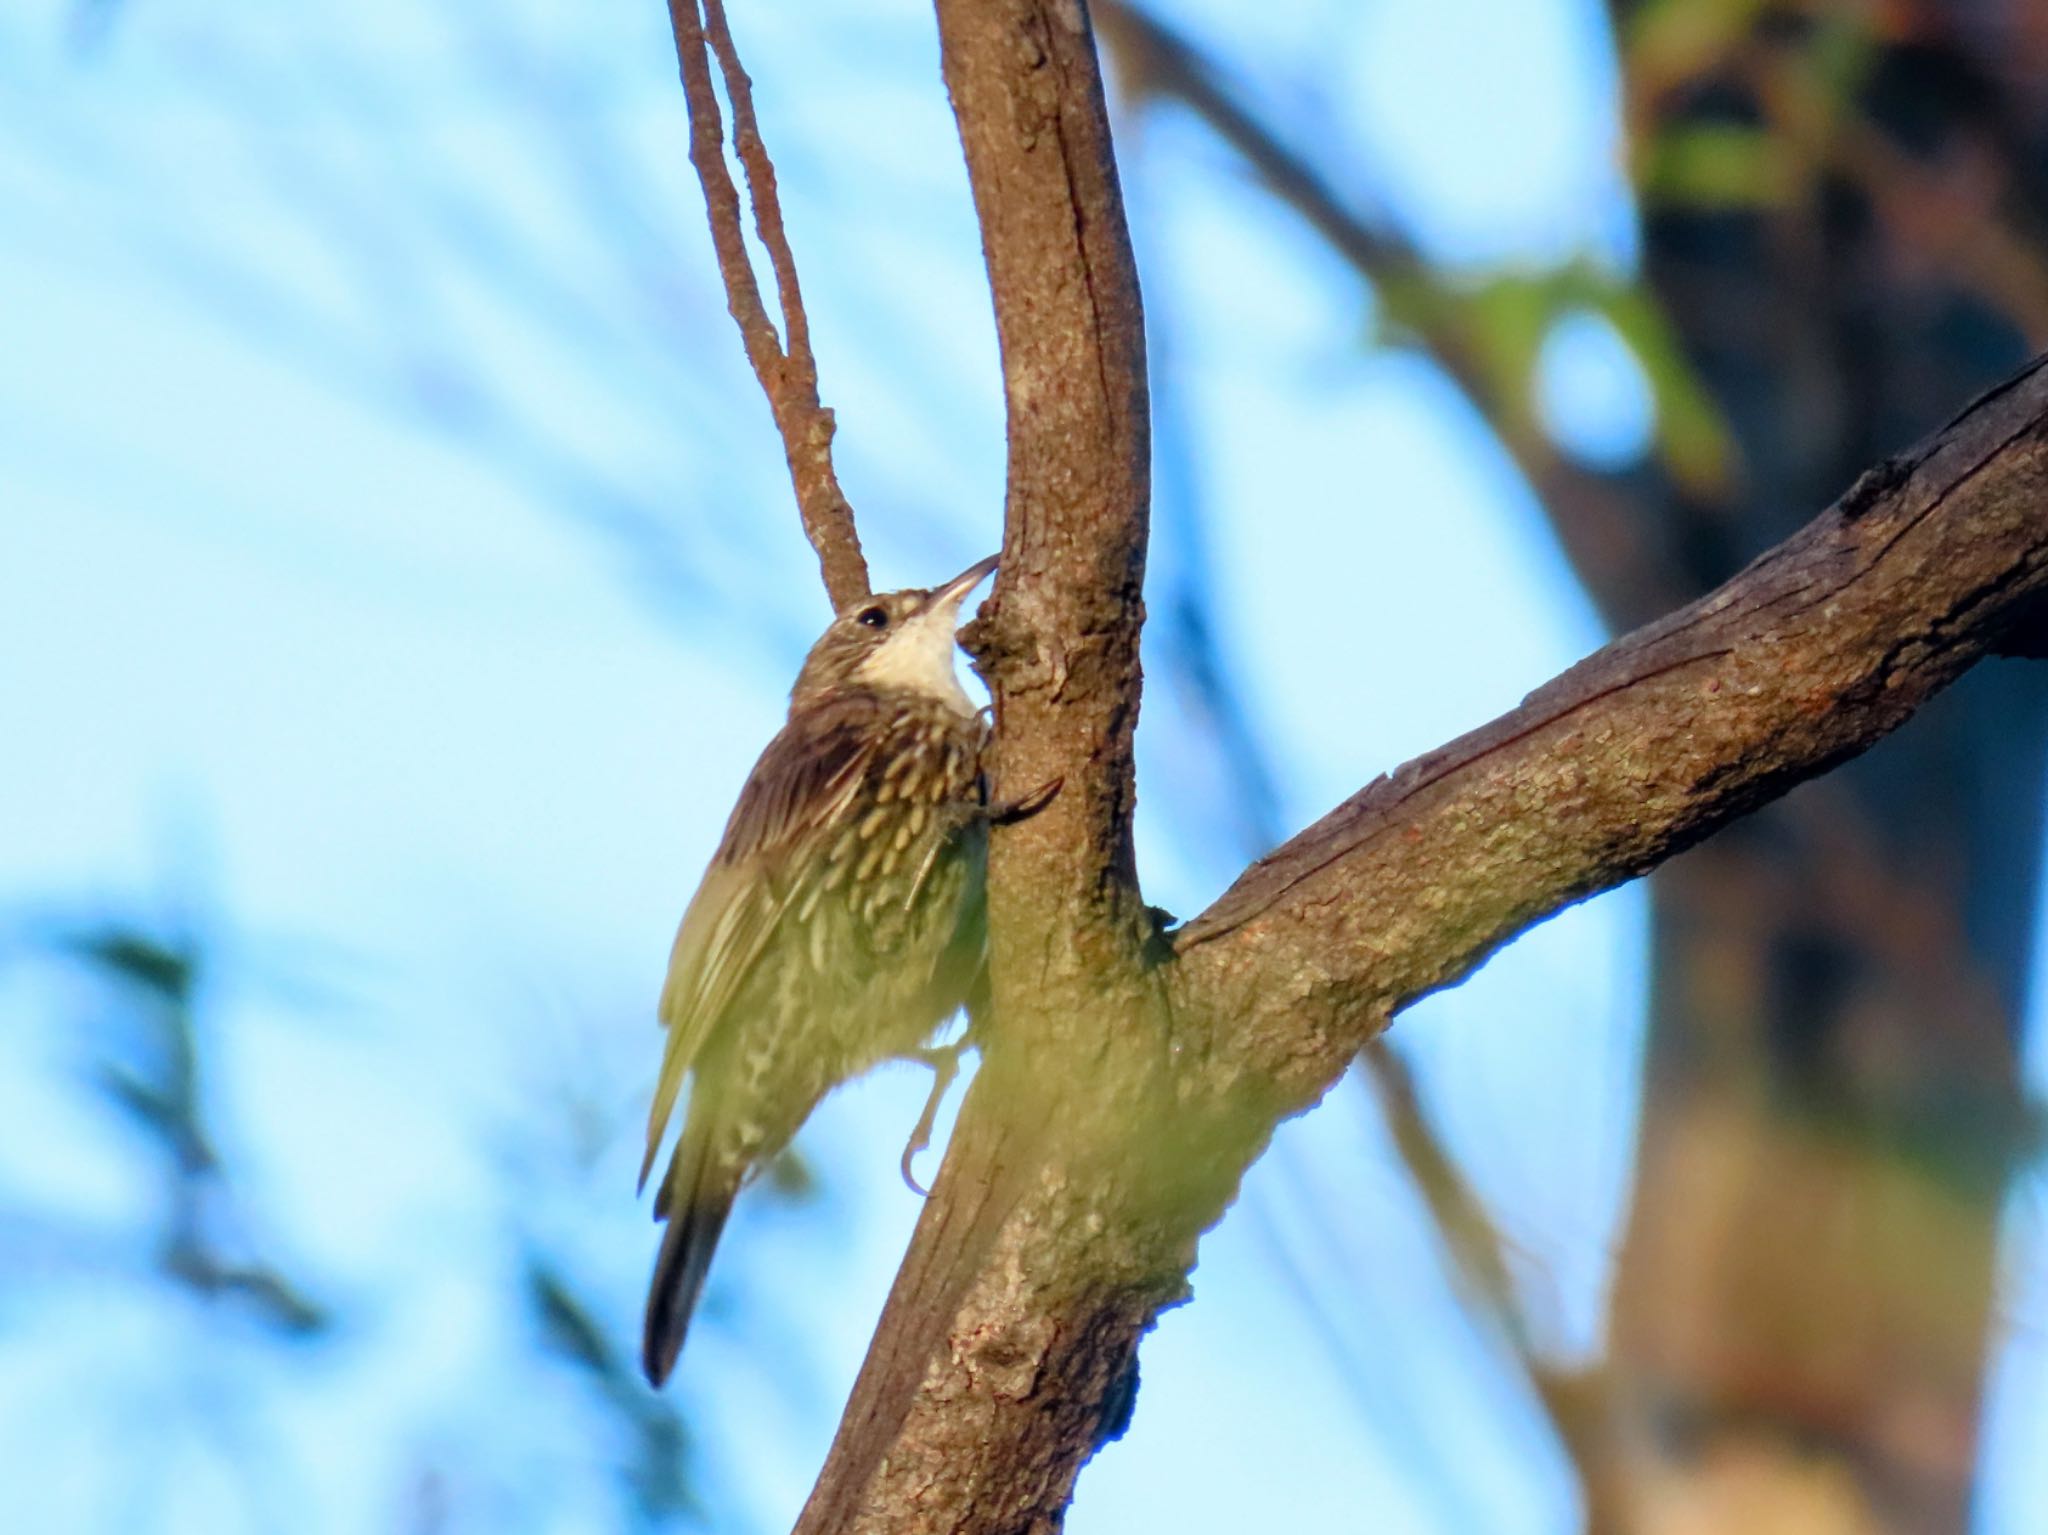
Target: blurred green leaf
x=272 y=1296
x=1505 y=323
x=1488 y=334
x=1693 y=440
x=153 y=1109
x=1493 y=333
x=570 y=1328
x=1840 y=54
x=1716 y=166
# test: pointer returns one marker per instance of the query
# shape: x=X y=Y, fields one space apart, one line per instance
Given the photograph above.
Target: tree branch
x=788 y=375
x=1827 y=643
x=977 y=1404
x=1059 y=638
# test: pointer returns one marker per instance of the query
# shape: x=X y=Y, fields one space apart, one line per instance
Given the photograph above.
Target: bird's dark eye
x=873 y=618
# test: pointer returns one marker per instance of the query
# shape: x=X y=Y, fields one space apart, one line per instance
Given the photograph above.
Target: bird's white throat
x=918 y=658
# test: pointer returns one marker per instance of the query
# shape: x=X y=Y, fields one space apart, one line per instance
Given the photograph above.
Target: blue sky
x=395 y=560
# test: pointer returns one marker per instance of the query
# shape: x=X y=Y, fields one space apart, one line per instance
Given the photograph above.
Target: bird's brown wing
x=804 y=785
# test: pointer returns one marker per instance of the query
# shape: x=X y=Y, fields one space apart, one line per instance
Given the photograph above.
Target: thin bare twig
x=788 y=374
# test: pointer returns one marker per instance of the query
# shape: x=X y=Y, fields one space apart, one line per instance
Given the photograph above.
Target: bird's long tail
x=695 y=1199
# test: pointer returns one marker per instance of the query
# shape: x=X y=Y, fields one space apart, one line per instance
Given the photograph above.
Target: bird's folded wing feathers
x=806 y=780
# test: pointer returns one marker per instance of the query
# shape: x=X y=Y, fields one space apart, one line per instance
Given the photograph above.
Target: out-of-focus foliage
x=151 y=1071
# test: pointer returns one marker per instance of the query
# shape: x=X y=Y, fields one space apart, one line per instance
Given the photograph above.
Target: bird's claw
x=1025 y=806
x=944 y=1061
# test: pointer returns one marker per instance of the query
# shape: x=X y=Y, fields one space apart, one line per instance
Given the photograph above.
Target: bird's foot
x=944 y=1061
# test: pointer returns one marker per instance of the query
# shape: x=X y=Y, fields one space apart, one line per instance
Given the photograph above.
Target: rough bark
x=1131 y=1081
x=1806 y=658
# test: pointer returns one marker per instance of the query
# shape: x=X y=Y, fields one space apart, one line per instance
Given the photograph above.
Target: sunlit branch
x=1822 y=646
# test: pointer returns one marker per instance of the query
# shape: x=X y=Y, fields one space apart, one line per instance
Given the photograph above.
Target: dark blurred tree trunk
x=1807 y=1293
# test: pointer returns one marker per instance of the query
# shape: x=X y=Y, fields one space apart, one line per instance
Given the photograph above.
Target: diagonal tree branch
x=788 y=374
x=1930 y=562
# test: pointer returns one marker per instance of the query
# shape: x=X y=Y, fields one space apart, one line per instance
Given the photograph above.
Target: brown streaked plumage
x=839 y=924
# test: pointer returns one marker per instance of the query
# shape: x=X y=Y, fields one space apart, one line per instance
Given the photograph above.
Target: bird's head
x=894 y=642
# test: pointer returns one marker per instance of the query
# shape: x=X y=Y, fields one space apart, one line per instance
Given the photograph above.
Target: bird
x=840 y=922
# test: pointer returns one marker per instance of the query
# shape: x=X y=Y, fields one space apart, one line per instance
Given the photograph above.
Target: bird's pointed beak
x=955 y=591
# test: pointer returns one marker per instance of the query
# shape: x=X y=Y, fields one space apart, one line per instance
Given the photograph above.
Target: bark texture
x=1930 y=562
